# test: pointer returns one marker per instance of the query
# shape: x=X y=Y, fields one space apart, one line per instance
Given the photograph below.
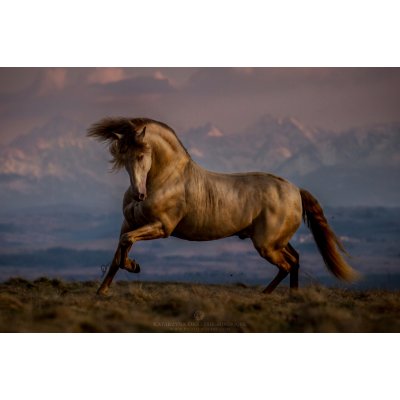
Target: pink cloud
x=159 y=75
x=53 y=79
x=106 y=75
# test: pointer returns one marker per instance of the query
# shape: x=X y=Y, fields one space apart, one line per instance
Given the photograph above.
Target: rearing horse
x=171 y=195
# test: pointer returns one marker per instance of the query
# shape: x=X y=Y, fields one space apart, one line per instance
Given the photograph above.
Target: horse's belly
x=200 y=235
x=200 y=228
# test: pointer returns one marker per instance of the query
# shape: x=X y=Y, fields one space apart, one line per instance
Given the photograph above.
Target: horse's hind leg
x=282 y=274
x=294 y=270
x=286 y=260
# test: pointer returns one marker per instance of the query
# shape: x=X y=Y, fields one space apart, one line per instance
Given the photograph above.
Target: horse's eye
x=140 y=158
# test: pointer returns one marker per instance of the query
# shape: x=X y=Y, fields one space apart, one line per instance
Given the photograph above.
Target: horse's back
x=221 y=205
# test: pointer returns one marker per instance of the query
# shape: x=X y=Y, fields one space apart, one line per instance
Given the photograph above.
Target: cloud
x=52 y=79
x=106 y=75
x=159 y=75
x=136 y=86
x=250 y=81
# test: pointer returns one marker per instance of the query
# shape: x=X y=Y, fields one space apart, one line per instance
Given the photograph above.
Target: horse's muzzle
x=139 y=196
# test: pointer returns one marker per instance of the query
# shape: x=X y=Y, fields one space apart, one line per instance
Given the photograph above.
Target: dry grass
x=50 y=305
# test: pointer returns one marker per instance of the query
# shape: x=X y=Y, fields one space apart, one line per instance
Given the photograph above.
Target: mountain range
x=56 y=164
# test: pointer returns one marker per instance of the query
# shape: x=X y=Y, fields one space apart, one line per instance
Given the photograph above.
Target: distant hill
x=57 y=164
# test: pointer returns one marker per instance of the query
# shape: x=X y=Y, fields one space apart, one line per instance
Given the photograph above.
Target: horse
x=171 y=195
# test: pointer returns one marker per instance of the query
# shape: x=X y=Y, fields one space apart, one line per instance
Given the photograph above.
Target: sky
x=230 y=98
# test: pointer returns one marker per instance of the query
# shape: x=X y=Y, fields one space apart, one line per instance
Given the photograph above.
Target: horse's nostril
x=141 y=196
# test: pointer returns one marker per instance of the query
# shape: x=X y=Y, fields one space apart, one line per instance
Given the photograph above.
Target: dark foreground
x=51 y=305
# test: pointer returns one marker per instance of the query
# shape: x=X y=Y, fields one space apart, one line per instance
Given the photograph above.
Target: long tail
x=328 y=243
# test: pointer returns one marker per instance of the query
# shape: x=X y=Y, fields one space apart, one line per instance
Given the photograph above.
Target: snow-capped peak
x=214 y=132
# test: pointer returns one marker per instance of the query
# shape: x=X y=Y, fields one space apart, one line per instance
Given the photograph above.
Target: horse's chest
x=134 y=215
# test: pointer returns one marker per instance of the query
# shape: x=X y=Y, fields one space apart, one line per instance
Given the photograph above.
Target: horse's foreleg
x=115 y=264
x=120 y=260
x=103 y=289
x=126 y=263
x=146 y=232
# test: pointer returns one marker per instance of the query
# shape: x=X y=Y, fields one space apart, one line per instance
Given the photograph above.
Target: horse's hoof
x=267 y=291
x=131 y=266
x=102 y=292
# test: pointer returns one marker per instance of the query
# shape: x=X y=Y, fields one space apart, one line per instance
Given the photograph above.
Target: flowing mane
x=139 y=123
x=105 y=130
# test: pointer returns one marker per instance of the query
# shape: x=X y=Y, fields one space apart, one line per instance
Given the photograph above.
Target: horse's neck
x=167 y=155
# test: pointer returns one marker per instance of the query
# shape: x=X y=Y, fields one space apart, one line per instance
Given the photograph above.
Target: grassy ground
x=50 y=305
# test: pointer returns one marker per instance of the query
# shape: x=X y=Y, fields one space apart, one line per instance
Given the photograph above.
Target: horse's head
x=134 y=153
x=133 y=149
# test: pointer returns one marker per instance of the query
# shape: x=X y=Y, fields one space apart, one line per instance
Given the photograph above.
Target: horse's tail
x=328 y=243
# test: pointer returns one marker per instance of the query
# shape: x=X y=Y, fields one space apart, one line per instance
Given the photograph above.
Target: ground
x=51 y=305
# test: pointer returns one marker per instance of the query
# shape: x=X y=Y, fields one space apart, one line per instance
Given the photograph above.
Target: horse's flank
x=222 y=205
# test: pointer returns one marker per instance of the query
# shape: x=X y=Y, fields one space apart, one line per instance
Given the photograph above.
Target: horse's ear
x=140 y=136
x=132 y=125
x=117 y=136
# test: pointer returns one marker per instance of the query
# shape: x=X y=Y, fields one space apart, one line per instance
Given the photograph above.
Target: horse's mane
x=104 y=131
x=140 y=122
